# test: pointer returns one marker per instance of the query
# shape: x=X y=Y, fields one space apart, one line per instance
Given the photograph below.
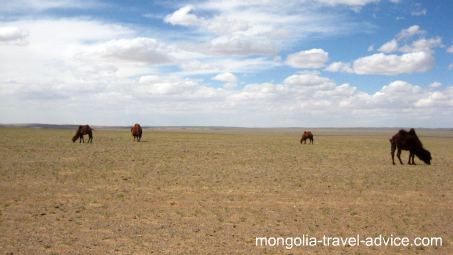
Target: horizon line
x=50 y=125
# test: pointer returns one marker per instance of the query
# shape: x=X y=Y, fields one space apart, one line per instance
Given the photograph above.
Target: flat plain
x=213 y=191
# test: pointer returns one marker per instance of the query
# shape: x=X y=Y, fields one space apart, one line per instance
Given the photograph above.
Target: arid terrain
x=213 y=191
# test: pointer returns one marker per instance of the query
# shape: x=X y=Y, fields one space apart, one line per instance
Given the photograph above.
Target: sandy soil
x=215 y=191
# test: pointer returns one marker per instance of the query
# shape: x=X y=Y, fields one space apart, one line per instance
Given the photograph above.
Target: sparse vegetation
x=213 y=191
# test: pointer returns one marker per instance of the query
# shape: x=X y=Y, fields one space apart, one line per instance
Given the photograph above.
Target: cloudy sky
x=249 y=63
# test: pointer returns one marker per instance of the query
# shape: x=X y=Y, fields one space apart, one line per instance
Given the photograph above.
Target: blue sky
x=336 y=63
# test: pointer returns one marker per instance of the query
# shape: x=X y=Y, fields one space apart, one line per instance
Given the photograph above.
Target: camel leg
x=398 y=154
x=411 y=158
x=392 y=152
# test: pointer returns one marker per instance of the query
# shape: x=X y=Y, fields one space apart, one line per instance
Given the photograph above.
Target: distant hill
x=57 y=126
x=358 y=130
x=73 y=126
x=38 y=125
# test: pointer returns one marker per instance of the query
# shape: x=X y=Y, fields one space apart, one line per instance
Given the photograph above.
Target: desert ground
x=213 y=191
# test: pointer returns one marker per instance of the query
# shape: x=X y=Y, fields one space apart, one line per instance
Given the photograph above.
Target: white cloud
x=56 y=59
x=174 y=100
x=13 y=35
x=19 y=6
x=228 y=78
x=433 y=99
x=183 y=17
x=340 y=67
x=417 y=56
x=199 y=67
x=113 y=70
x=354 y=3
x=247 y=28
x=398 y=88
x=435 y=85
x=389 y=46
x=308 y=80
x=421 y=12
x=406 y=99
x=314 y=58
x=394 y=64
x=423 y=44
x=232 y=64
x=450 y=66
x=139 y=49
x=418 y=10
x=232 y=31
x=239 y=45
x=156 y=86
x=409 y=32
x=225 y=77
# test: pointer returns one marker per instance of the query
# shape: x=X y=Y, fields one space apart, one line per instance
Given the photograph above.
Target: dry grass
x=213 y=192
